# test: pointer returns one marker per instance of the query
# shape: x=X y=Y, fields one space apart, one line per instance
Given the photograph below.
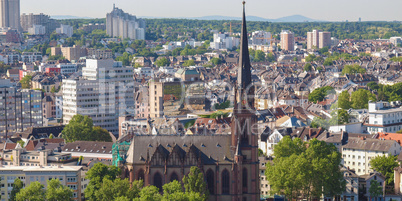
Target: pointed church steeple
x=244 y=71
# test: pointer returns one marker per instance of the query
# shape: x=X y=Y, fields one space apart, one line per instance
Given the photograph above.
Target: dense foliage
x=320 y=93
x=318 y=161
x=80 y=128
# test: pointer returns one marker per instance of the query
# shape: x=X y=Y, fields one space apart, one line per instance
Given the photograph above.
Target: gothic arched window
x=211 y=182
x=245 y=181
x=173 y=177
x=158 y=181
x=225 y=182
x=141 y=175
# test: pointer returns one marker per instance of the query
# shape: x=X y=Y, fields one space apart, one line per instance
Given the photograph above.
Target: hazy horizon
x=340 y=10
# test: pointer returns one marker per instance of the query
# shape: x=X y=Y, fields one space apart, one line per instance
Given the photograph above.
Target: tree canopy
x=319 y=163
x=385 y=165
x=34 y=192
x=81 y=128
x=352 y=69
x=320 y=93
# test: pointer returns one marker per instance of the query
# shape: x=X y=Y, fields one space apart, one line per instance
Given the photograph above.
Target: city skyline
x=314 y=9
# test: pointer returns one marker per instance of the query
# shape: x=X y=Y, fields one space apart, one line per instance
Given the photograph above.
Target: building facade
x=287 y=40
x=69 y=176
x=19 y=109
x=103 y=92
x=383 y=117
x=29 y=20
x=10 y=14
x=124 y=25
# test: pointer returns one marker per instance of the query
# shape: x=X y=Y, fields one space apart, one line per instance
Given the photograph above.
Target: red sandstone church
x=229 y=161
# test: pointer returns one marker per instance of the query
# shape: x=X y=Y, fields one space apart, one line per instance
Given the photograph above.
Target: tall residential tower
x=10 y=14
x=124 y=25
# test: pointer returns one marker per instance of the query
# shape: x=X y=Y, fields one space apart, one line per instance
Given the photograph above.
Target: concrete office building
x=29 y=20
x=10 y=14
x=19 y=109
x=65 y=29
x=104 y=91
x=70 y=53
x=261 y=38
x=287 y=40
x=124 y=25
x=37 y=30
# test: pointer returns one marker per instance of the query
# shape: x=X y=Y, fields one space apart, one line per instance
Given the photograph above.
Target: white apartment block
x=37 y=30
x=223 y=42
x=69 y=176
x=261 y=38
x=358 y=152
x=65 y=29
x=103 y=92
x=384 y=118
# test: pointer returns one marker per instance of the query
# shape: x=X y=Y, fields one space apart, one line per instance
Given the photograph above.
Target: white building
x=67 y=68
x=261 y=38
x=65 y=29
x=384 y=118
x=144 y=71
x=103 y=92
x=59 y=105
x=124 y=25
x=69 y=176
x=221 y=41
x=37 y=30
x=395 y=40
x=358 y=151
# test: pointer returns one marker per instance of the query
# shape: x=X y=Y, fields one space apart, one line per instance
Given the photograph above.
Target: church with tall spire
x=229 y=161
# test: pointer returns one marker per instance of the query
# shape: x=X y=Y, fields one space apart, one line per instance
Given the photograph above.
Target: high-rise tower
x=10 y=14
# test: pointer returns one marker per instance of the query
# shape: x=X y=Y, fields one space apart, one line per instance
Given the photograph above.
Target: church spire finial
x=244 y=71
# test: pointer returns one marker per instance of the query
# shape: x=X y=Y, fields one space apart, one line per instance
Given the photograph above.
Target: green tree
x=26 y=82
x=194 y=183
x=189 y=63
x=360 y=98
x=100 y=134
x=307 y=67
x=162 y=62
x=271 y=57
x=339 y=117
x=34 y=192
x=344 y=100
x=95 y=175
x=320 y=93
x=21 y=143
x=373 y=85
x=352 y=69
x=216 y=61
x=318 y=161
x=149 y=193
x=375 y=189
x=56 y=191
x=173 y=191
x=81 y=128
x=310 y=58
x=385 y=165
x=17 y=186
x=112 y=189
x=259 y=56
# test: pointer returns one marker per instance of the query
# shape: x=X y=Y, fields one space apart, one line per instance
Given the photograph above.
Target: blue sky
x=330 y=10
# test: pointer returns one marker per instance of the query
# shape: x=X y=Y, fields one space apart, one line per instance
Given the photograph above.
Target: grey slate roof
x=369 y=144
x=212 y=149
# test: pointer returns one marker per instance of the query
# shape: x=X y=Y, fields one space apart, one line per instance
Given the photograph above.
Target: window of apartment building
x=42 y=178
x=71 y=179
x=352 y=189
